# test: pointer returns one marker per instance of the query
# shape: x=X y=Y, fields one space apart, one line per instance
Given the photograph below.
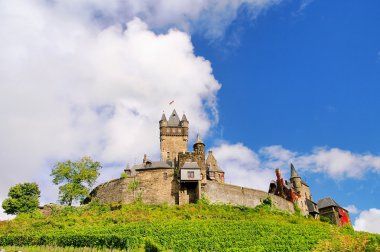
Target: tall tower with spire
x=295 y=179
x=301 y=188
x=174 y=134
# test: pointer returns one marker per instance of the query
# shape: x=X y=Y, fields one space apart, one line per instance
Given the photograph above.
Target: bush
x=325 y=219
x=23 y=198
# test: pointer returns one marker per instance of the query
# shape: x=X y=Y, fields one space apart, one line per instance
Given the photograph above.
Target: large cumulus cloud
x=70 y=87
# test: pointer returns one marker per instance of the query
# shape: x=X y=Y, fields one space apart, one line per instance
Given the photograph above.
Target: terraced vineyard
x=188 y=228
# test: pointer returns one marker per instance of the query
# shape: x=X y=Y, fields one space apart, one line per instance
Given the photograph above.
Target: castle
x=297 y=191
x=182 y=177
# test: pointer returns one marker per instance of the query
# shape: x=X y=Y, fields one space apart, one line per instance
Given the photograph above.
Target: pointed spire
x=184 y=119
x=174 y=119
x=199 y=140
x=293 y=172
x=163 y=117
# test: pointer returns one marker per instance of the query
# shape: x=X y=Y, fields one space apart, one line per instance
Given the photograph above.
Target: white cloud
x=368 y=221
x=352 y=209
x=242 y=166
x=304 y=4
x=210 y=17
x=276 y=156
x=338 y=163
x=246 y=167
x=70 y=88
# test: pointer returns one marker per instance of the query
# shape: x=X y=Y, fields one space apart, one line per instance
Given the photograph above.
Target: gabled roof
x=152 y=165
x=191 y=165
x=174 y=119
x=293 y=172
x=327 y=202
x=212 y=163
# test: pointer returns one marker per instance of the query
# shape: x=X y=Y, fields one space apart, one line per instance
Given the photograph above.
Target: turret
x=199 y=148
x=163 y=122
x=295 y=179
x=185 y=124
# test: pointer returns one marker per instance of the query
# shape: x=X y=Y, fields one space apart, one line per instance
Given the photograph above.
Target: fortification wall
x=155 y=186
x=114 y=191
x=158 y=186
x=236 y=195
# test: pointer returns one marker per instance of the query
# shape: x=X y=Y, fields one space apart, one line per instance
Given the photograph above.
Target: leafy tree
x=76 y=178
x=23 y=198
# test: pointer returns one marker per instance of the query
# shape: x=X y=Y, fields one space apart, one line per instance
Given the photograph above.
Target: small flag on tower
x=170 y=103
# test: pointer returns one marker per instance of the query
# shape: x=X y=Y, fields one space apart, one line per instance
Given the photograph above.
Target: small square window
x=190 y=174
x=165 y=175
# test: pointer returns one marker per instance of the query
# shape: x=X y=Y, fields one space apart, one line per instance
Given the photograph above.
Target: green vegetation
x=76 y=178
x=23 y=198
x=194 y=227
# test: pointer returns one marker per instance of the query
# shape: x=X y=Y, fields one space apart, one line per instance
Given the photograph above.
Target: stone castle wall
x=156 y=186
x=236 y=195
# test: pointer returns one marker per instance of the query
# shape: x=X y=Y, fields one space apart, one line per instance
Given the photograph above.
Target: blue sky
x=303 y=79
x=265 y=82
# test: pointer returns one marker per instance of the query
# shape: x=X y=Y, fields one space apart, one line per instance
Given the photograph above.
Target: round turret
x=163 y=122
x=199 y=147
x=295 y=179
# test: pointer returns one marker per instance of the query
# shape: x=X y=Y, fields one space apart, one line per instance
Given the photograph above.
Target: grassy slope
x=182 y=228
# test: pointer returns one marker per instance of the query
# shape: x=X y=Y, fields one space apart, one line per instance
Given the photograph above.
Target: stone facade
x=155 y=186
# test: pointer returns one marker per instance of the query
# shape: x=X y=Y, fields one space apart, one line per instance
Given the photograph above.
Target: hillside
x=193 y=227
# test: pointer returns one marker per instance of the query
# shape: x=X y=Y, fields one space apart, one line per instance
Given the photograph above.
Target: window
x=165 y=175
x=212 y=174
x=190 y=174
x=168 y=155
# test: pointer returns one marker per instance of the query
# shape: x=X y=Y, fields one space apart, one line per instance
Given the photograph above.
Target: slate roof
x=184 y=118
x=174 y=119
x=199 y=139
x=152 y=165
x=215 y=168
x=163 y=118
x=191 y=165
x=327 y=202
x=293 y=172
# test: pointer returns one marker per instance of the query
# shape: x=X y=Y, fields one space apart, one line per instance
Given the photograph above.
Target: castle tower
x=173 y=136
x=199 y=154
x=199 y=148
x=301 y=188
x=295 y=179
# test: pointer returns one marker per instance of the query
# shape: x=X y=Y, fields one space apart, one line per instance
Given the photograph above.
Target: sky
x=265 y=83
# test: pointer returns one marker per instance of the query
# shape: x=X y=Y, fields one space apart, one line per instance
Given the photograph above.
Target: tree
x=76 y=178
x=23 y=198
